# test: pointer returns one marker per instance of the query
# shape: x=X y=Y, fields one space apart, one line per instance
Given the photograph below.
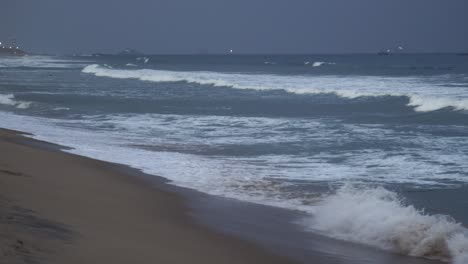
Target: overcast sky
x=247 y=26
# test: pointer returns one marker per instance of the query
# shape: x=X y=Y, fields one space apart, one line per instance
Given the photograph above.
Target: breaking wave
x=424 y=93
x=318 y=63
x=9 y=99
x=372 y=216
x=41 y=62
x=378 y=217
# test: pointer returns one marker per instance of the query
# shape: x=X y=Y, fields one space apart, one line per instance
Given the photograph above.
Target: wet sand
x=57 y=207
x=61 y=208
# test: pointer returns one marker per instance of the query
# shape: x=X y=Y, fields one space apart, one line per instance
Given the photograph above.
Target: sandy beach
x=319 y=132
x=61 y=208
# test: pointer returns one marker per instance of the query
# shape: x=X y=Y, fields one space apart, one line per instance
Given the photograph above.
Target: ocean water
x=374 y=149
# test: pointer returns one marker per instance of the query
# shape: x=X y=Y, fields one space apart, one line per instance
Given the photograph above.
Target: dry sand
x=61 y=208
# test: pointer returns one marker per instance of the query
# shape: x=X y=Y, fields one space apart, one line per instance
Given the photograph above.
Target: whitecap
x=41 y=62
x=318 y=64
x=9 y=99
x=378 y=217
x=424 y=94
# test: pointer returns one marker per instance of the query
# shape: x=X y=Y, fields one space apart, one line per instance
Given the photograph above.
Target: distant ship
x=11 y=50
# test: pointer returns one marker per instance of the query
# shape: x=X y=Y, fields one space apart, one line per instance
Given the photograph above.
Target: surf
x=423 y=95
x=380 y=218
x=10 y=100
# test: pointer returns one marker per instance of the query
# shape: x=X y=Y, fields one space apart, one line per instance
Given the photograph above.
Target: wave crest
x=9 y=99
x=426 y=104
x=423 y=95
x=41 y=62
x=378 y=217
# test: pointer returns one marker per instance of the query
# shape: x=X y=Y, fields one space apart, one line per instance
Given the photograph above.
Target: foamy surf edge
x=9 y=99
x=357 y=87
x=372 y=216
x=379 y=218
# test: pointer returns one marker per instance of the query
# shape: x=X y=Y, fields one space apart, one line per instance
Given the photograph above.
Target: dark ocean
x=371 y=149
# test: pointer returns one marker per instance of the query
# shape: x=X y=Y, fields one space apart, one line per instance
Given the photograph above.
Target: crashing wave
x=425 y=103
x=423 y=95
x=371 y=216
x=379 y=218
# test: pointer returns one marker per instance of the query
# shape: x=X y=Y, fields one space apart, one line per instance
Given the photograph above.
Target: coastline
x=72 y=209
x=63 y=208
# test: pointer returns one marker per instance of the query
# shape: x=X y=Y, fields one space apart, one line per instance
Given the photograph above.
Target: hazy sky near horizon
x=246 y=26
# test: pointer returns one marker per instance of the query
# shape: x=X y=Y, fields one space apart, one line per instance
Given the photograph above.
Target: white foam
x=191 y=134
x=458 y=246
x=319 y=63
x=424 y=93
x=61 y=109
x=426 y=103
x=144 y=59
x=377 y=217
x=40 y=62
x=9 y=99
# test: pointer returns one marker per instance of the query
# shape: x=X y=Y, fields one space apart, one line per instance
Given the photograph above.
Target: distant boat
x=11 y=50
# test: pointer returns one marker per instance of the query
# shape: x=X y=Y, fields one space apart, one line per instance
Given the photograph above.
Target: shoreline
x=63 y=208
x=230 y=231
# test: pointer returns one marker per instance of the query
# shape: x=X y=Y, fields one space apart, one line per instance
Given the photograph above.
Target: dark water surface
x=358 y=144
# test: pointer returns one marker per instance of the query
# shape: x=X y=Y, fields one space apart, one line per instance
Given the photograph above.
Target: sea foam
x=379 y=218
x=9 y=99
x=426 y=103
x=423 y=94
x=41 y=62
x=372 y=216
x=321 y=63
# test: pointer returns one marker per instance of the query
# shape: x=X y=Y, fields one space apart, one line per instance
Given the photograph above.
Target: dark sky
x=247 y=26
